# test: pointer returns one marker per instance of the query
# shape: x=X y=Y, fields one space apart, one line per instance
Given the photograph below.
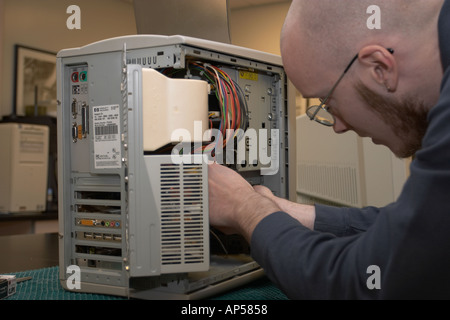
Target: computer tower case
x=133 y=189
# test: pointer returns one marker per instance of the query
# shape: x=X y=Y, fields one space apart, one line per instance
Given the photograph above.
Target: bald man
x=392 y=85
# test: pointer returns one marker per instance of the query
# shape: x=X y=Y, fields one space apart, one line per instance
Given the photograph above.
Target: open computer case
x=133 y=218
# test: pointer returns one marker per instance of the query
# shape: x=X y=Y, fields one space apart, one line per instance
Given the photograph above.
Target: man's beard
x=408 y=118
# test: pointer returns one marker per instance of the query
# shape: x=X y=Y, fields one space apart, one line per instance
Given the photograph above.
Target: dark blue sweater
x=409 y=240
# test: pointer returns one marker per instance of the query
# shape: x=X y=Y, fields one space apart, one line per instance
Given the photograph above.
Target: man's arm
x=305 y=214
x=237 y=207
x=338 y=221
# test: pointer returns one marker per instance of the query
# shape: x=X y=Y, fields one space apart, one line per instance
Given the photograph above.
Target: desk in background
x=28 y=251
x=28 y=222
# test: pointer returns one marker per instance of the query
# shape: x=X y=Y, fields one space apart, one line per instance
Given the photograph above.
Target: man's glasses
x=320 y=112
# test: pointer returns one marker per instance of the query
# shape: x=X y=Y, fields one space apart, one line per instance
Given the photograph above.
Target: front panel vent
x=182 y=214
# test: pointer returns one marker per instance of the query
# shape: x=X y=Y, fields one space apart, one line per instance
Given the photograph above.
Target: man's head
x=384 y=96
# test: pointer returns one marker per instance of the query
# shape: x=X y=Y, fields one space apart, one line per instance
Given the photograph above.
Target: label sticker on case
x=107 y=148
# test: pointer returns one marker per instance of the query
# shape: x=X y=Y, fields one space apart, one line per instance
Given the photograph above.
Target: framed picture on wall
x=35 y=82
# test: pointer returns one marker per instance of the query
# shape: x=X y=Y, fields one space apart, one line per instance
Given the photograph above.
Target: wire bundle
x=232 y=102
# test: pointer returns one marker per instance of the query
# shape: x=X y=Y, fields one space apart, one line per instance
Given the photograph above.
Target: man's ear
x=381 y=66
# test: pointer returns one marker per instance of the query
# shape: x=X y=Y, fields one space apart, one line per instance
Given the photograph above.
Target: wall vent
x=337 y=184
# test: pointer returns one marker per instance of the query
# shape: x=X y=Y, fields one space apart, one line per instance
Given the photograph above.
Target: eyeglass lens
x=321 y=115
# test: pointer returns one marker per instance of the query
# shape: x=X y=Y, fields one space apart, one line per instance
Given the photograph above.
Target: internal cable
x=232 y=102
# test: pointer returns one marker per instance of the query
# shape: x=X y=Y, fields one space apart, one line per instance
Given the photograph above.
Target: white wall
x=259 y=27
x=1 y=53
x=42 y=24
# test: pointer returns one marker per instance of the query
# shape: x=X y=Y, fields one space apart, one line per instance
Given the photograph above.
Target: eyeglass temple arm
x=391 y=51
x=322 y=102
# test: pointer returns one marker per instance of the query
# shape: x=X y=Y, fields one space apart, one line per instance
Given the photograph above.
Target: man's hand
x=235 y=207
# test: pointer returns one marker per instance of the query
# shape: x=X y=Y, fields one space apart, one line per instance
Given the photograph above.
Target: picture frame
x=35 y=81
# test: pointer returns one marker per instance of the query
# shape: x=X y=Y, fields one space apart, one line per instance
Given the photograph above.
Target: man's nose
x=340 y=126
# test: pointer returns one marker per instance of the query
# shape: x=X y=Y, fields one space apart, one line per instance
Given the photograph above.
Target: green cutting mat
x=44 y=285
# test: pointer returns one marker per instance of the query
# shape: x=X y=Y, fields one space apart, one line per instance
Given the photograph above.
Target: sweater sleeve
x=308 y=264
x=344 y=221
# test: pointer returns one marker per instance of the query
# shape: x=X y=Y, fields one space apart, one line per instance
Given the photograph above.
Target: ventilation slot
x=182 y=214
x=329 y=182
